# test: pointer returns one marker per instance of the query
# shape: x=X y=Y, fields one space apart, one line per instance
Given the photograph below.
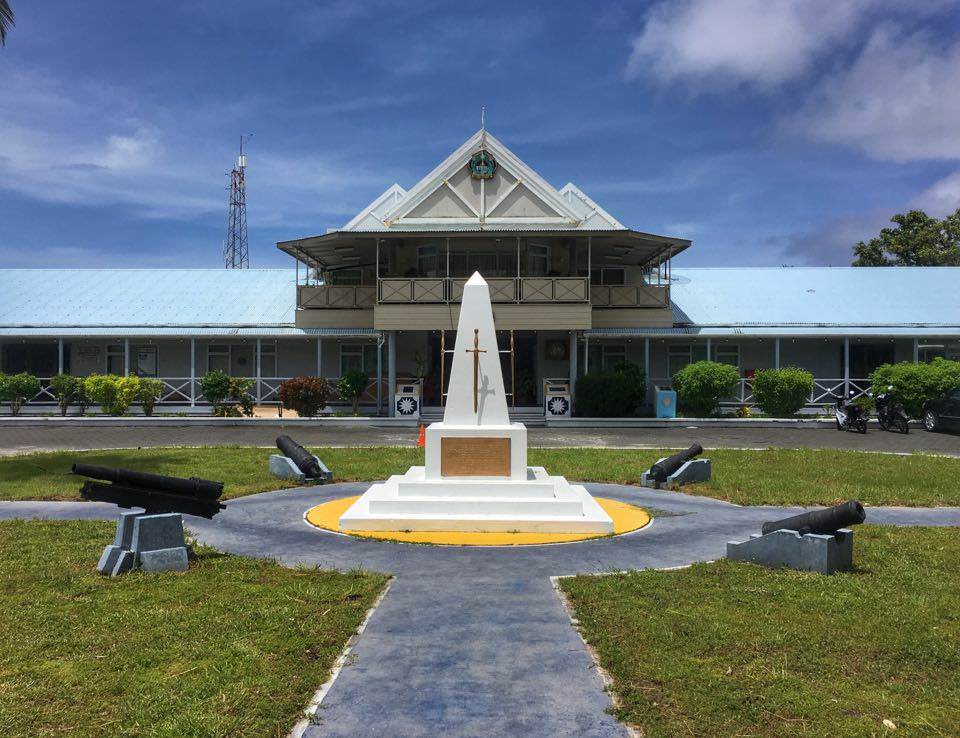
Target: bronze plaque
x=474 y=457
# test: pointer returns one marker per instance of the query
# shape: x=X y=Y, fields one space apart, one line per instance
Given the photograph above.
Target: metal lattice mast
x=236 y=254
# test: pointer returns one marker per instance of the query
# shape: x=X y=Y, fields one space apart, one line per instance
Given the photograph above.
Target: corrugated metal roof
x=817 y=296
x=910 y=301
x=187 y=332
x=147 y=297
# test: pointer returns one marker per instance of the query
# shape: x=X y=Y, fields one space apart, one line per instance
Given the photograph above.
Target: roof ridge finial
x=483 y=124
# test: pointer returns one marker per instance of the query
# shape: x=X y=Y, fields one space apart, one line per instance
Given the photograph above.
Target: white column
x=776 y=353
x=586 y=353
x=391 y=369
x=193 y=372
x=846 y=367
x=573 y=361
x=126 y=357
x=60 y=355
x=709 y=357
x=916 y=350
x=646 y=369
x=259 y=392
x=319 y=357
x=380 y=376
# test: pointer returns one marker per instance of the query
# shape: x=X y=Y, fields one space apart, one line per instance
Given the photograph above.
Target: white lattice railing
x=186 y=391
x=822 y=393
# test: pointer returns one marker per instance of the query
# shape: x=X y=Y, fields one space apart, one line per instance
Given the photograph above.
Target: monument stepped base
x=540 y=503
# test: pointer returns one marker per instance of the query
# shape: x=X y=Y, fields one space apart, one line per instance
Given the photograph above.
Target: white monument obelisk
x=476 y=476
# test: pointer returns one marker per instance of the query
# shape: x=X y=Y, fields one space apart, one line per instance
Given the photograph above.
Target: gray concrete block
x=825 y=554
x=125 y=562
x=165 y=559
x=697 y=470
x=156 y=532
x=283 y=467
x=108 y=559
x=124 y=534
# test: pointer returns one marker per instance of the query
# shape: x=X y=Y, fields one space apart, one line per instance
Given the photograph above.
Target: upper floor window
x=538 y=259
x=428 y=261
x=614 y=276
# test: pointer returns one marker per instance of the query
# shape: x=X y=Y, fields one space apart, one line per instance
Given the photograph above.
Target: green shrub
x=18 y=389
x=351 y=387
x=612 y=394
x=113 y=394
x=916 y=384
x=305 y=395
x=700 y=386
x=148 y=394
x=782 y=392
x=230 y=396
x=65 y=388
x=215 y=386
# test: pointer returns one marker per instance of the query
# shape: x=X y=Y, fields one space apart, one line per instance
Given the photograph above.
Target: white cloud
x=91 y=146
x=897 y=102
x=940 y=198
x=729 y=42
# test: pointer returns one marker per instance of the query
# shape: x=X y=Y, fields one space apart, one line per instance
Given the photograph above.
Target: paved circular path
x=15 y=439
x=473 y=641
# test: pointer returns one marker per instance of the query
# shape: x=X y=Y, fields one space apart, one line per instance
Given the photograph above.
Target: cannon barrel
x=826 y=521
x=302 y=458
x=663 y=469
x=195 y=487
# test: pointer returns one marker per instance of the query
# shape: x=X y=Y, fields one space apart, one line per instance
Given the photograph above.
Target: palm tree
x=6 y=21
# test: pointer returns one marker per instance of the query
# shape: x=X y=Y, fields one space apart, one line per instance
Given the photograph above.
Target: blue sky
x=769 y=132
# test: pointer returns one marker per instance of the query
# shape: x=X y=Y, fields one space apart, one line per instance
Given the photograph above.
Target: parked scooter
x=849 y=415
x=890 y=413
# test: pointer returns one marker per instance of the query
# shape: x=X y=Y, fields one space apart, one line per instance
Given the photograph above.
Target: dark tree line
x=917 y=240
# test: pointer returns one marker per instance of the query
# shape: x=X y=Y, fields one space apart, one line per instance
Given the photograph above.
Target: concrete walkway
x=473 y=641
x=37 y=438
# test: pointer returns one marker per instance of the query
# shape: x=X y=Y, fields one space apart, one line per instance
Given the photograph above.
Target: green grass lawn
x=734 y=649
x=234 y=647
x=774 y=477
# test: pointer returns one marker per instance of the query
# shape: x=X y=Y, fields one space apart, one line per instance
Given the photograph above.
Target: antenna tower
x=236 y=254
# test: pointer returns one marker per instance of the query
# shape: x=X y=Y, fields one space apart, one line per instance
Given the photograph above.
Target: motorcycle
x=890 y=413
x=849 y=415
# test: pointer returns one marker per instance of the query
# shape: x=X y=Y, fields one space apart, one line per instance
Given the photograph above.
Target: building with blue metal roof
x=573 y=290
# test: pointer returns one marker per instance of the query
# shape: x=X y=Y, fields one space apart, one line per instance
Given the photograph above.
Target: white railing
x=823 y=391
x=393 y=290
x=187 y=391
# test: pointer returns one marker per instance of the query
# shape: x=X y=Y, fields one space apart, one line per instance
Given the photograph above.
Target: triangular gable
x=593 y=216
x=517 y=194
x=372 y=215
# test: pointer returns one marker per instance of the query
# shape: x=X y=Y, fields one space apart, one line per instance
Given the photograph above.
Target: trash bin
x=666 y=400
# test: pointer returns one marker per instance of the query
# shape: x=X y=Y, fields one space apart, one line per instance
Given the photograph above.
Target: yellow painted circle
x=626 y=518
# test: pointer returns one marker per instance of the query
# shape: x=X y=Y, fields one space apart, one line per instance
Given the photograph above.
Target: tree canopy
x=6 y=21
x=917 y=240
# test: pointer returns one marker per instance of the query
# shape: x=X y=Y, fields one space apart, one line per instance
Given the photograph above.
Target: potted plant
x=351 y=387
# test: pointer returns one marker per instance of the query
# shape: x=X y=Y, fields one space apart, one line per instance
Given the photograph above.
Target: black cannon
x=665 y=467
x=155 y=493
x=826 y=521
x=302 y=459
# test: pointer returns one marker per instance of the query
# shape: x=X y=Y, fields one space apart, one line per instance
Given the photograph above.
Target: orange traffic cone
x=422 y=439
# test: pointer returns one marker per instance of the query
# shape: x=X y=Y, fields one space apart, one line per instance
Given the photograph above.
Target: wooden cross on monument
x=476 y=351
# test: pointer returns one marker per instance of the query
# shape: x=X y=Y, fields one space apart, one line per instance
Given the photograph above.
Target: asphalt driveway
x=25 y=439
